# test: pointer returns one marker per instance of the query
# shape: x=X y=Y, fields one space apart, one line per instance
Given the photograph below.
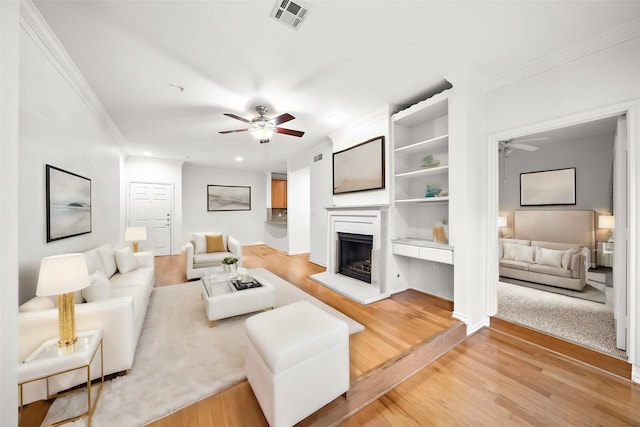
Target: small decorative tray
x=240 y=285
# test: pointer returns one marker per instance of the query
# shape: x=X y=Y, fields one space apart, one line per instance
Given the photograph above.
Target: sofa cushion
x=509 y=251
x=209 y=259
x=99 y=288
x=550 y=257
x=215 y=243
x=142 y=276
x=566 y=258
x=108 y=260
x=524 y=253
x=125 y=260
x=518 y=265
x=37 y=303
x=94 y=261
x=550 y=270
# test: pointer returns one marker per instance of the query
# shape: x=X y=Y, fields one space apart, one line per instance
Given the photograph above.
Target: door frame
x=632 y=110
x=171 y=207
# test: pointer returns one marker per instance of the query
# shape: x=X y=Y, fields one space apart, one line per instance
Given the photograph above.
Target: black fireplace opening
x=354 y=255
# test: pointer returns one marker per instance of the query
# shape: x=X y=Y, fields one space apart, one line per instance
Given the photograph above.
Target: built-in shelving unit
x=420 y=131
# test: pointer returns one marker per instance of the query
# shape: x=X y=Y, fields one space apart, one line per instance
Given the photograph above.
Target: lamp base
x=135 y=247
x=66 y=320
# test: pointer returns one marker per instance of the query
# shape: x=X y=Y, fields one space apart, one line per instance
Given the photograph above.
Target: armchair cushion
x=215 y=243
x=200 y=240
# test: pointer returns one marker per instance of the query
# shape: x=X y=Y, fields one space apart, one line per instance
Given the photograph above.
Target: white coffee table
x=222 y=300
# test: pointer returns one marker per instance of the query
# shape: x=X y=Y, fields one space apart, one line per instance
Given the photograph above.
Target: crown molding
x=589 y=46
x=37 y=28
x=371 y=119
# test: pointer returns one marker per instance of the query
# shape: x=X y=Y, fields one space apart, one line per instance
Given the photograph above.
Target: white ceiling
x=349 y=58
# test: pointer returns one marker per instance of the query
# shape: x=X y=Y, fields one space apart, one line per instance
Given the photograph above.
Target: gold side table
x=49 y=360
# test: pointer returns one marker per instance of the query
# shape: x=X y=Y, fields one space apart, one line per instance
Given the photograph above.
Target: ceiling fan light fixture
x=261 y=133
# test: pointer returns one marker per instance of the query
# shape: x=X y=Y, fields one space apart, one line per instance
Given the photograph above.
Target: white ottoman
x=297 y=361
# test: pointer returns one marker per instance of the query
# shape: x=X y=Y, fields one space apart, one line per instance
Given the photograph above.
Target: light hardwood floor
x=492 y=378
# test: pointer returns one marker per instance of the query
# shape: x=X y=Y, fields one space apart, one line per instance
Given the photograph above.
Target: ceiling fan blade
x=282 y=118
x=289 y=132
x=523 y=146
x=232 y=131
x=234 y=116
x=531 y=139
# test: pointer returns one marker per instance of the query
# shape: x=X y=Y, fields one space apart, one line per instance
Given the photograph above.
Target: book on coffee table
x=240 y=285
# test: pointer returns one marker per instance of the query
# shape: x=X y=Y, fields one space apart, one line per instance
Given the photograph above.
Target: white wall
x=298 y=211
x=9 y=58
x=321 y=196
x=158 y=171
x=61 y=124
x=370 y=126
x=592 y=83
x=247 y=226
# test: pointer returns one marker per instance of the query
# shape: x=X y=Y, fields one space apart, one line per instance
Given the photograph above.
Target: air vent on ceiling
x=290 y=13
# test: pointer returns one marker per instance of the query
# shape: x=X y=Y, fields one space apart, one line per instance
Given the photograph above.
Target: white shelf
x=442 y=199
x=433 y=144
x=424 y=172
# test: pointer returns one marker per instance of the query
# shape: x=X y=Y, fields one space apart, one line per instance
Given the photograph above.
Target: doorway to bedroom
x=588 y=305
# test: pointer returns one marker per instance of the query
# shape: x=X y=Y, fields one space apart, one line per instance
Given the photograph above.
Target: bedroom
x=589 y=148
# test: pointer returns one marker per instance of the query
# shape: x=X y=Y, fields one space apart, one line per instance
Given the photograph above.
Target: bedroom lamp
x=62 y=275
x=607 y=222
x=502 y=222
x=135 y=234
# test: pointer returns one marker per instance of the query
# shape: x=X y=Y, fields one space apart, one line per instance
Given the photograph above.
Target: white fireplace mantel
x=362 y=219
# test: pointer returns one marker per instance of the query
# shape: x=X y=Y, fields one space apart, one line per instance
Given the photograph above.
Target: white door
x=621 y=245
x=150 y=206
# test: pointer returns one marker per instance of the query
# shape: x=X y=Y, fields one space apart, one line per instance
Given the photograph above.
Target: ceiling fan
x=505 y=147
x=263 y=127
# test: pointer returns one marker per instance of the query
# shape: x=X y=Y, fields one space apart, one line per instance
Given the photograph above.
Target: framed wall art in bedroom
x=551 y=187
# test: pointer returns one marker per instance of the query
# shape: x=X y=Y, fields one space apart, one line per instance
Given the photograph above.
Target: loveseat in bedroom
x=563 y=265
x=116 y=302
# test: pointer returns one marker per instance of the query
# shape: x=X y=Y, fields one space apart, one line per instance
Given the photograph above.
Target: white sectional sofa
x=563 y=265
x=199 y=259
x=120 y=313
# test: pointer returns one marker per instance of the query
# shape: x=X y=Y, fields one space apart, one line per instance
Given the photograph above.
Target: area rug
x=179 y=359
x=588 y=292
x=586 y=323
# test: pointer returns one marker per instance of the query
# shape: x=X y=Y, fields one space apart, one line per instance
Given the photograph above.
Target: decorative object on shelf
x=439 y=234
x=360 y=167
x=430 y=162
x=445 y=226
x=433 y=190
x=552 y=187
x=607 y=222
x=135 y=235
x=228 y=198
x=62 y=275
x=68 y=204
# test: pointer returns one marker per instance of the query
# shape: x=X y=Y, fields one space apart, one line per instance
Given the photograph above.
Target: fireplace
x=354 y=255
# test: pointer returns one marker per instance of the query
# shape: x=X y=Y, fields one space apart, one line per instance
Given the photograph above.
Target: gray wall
x=593 y=159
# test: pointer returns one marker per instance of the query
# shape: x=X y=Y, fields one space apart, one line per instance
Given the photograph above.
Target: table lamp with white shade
x=607 y=222
x=135 y=235
x=62 y=275
x=502 y=222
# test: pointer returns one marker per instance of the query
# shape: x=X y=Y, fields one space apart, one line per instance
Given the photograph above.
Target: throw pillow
x=551 y=257
x=125 y=260
x=200 y=243
x=36 y=304
x=509 y=251
x=566 y=258
x=215 y=243
x=99 y=288
x=524 y=253
x=108 y=262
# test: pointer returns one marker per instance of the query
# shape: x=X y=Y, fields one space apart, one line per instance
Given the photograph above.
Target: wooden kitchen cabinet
x=279 y=193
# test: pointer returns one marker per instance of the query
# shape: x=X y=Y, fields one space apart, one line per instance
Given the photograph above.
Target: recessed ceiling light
x=148 y=153
x=238 y=159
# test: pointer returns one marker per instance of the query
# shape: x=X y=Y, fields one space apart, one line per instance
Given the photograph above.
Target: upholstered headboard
x=576 y=227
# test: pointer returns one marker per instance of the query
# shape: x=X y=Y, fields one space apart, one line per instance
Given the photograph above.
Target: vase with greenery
x=230 y=265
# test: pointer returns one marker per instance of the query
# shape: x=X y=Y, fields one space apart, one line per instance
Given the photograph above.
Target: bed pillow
x=125 y=260
x=566 y=258
x=524 y=253
x=509 y=251
x=99 y=288
x=551 y=257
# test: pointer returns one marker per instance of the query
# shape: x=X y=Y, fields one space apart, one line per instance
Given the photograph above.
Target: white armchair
x=199 y=259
